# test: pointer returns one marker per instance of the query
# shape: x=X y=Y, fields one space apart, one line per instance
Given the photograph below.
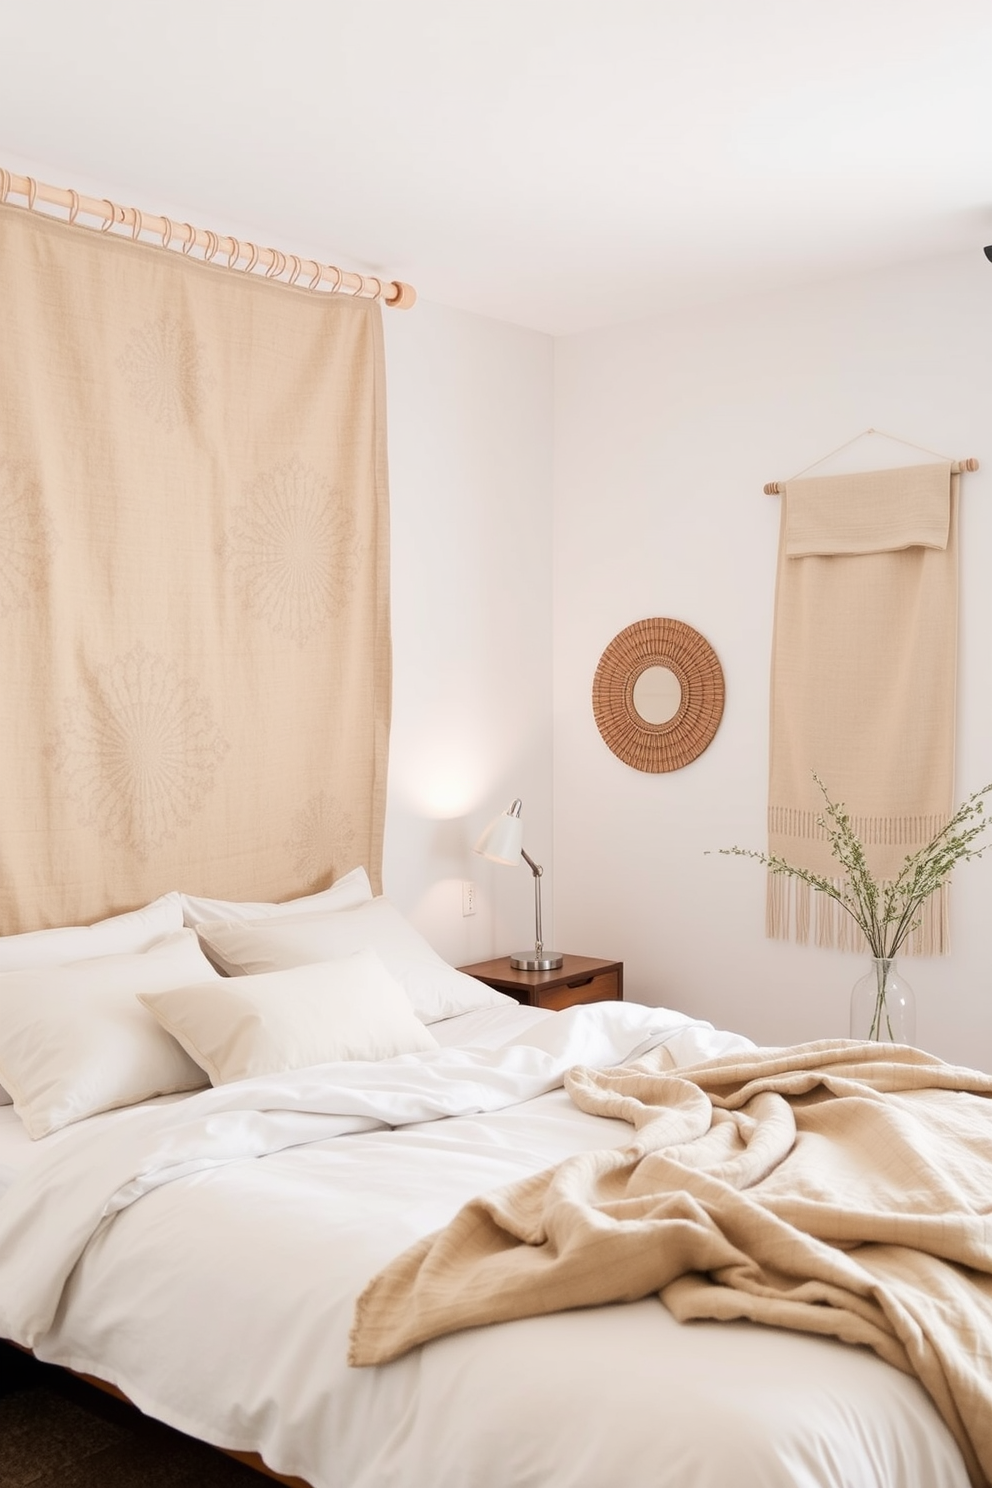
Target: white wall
x=470 y=473
x=666 y=431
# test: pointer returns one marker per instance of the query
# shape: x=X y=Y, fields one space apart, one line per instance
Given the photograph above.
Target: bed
x=200 y=1247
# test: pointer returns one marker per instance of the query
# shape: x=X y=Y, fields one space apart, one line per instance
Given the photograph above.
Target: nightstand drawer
x=578 y=979
x=605 y=988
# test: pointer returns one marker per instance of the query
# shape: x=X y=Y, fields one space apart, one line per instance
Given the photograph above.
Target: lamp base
x=536 y=960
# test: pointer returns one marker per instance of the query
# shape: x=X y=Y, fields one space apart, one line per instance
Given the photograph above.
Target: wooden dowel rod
x=777 y=488
x=307 y=271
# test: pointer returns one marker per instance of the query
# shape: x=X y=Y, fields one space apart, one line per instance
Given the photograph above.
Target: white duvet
x=205 y=1255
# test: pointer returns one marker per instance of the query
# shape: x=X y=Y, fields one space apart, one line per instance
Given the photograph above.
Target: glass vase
x=883 y=1005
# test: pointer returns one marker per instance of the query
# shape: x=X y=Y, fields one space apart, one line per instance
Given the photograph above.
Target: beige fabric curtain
x=194 y=626
x=864 y=672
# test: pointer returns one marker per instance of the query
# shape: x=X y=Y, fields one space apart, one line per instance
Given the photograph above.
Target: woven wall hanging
x=644 y=652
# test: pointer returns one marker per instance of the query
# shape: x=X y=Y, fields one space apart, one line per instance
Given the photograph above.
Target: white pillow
x=435 y=989
x=74 y=1039
x=350 y=890
x=122 y=935
x=238 y=1027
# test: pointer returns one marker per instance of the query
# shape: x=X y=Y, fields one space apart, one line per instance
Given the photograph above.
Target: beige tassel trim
x=796 y=911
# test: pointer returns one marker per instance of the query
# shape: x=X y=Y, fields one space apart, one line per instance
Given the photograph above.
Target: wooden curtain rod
x=777 y=488
x=362 y=286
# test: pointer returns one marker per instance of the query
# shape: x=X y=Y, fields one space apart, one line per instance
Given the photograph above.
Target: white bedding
x=18 y=1151
x=212 y=1248
x=485 y=1028
x=16 y=1147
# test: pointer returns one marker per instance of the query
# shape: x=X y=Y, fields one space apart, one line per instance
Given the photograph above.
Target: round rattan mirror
x=655 y=647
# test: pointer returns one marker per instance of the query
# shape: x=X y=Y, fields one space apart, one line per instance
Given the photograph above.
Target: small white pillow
x=74 y=1039
x=121 y=935
x=435 y=989
x=350 y=890
x=238 y=1027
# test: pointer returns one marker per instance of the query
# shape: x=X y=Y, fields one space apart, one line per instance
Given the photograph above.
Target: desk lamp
x=503 y=842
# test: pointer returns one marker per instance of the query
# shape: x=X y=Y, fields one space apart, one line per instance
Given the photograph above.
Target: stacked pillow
x=435 y=989
x=100 y=1016
x=74 y=1040
x=239 y=1027
x=350 y=890
x=123 y=934
x=338 y=975
x=119 y=935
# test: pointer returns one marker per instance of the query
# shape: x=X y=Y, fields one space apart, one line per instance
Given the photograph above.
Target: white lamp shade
x=503 y=839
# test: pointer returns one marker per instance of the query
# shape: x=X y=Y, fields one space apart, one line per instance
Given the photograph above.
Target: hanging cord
x=776 y=488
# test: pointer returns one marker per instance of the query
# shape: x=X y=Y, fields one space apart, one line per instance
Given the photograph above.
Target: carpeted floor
x=57 y=1432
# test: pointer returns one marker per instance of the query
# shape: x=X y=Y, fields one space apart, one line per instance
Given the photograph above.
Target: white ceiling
x=557 y=163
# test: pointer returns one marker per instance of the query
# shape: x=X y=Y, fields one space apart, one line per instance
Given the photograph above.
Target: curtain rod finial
x=403 y=296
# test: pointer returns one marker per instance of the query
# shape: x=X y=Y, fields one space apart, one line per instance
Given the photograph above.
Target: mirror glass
x=657 y=694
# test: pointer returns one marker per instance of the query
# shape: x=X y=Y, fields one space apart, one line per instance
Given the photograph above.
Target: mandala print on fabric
x=321 y=839
x=27 y=538
x=138 y=751
x=164 y=367
x=292 y=550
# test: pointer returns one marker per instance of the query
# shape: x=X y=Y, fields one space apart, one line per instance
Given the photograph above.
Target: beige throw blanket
x=863 y=684
x=835 y=1188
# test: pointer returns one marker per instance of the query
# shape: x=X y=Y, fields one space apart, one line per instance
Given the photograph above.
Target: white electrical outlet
x=468 y=897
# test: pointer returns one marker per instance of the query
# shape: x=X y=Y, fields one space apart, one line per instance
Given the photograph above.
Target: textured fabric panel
x=863 y=689
x=194 y=627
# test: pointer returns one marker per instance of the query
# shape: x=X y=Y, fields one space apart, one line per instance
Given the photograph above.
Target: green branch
x=886 y=913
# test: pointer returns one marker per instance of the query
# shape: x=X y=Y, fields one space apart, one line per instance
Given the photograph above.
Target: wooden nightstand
x=578 y=979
